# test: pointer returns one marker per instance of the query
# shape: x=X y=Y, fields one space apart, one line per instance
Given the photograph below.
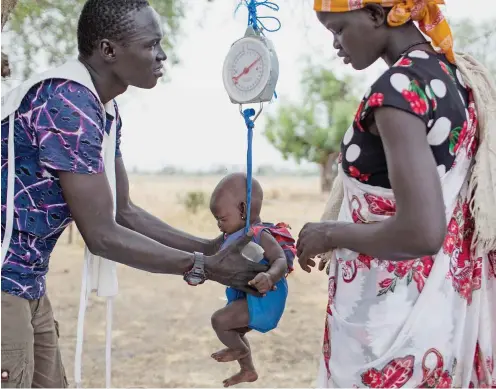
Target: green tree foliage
x=477 y=39
x=313 y=130
x=45 y=30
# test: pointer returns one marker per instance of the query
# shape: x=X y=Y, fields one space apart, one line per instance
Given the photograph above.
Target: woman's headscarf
x=426 y=12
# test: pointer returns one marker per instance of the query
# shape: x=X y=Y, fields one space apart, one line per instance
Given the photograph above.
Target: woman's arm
x=419 y=225
x=137 y=219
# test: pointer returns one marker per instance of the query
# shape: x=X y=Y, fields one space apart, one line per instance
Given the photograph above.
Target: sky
x=189 y=122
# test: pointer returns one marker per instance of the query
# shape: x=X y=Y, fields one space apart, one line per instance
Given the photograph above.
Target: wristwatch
x=196 y=275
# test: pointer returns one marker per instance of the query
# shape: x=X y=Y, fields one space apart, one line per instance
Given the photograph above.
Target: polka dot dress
x=421 y=83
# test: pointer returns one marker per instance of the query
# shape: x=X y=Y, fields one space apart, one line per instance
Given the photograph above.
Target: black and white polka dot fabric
x=424 y=84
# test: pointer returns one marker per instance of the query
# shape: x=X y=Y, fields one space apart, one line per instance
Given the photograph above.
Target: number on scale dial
x=247 y=69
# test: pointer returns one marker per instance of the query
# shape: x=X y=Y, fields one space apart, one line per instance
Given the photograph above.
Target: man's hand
x=228 y=267
x=263 y=283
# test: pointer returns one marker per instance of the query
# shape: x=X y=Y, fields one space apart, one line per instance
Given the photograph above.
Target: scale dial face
x=246 y=69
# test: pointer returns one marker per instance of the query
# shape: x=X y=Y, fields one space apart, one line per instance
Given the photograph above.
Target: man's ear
x=107 y=50
x=377 y=14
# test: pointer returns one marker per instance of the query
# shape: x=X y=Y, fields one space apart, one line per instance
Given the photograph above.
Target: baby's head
x=228 y=202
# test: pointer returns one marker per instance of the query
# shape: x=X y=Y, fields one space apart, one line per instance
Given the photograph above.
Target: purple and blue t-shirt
x=58 y=127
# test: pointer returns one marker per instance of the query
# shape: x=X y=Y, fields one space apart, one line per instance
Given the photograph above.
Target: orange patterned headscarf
x=426 y=12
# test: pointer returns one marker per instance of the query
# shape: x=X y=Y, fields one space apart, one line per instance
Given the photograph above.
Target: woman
x=56 y=135
x=411 y=302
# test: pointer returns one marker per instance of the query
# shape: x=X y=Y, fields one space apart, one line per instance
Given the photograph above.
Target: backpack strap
x=9 y=210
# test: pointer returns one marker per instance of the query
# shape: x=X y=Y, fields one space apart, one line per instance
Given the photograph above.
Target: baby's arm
x=277 y=260
x=275 y=255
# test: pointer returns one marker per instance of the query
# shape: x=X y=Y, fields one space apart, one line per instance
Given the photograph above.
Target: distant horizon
x=265 y=170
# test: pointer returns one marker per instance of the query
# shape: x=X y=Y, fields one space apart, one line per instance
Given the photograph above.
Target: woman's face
x=359 y=36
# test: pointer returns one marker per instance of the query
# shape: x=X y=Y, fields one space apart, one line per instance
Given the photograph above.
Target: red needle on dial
x=245 y=70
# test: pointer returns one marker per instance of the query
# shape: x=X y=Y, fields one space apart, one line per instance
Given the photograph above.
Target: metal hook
x=256 y=115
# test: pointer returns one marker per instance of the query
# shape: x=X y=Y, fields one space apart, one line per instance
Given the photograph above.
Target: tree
x=7 y=7
x=313 y=130
x=477 y=39
x=46 y=29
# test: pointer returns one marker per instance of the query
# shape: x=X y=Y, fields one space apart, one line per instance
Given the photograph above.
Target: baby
x=245 y=312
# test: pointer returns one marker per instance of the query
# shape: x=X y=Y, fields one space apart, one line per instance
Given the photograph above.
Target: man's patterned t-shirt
x=58 y=127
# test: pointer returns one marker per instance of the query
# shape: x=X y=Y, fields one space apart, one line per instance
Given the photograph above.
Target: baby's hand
x=262 y=282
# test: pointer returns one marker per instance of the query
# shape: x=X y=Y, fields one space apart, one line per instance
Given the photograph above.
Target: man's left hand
x=229 y=267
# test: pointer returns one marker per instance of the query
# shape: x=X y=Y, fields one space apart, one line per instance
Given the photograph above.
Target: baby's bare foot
x=229 y=355
x=220 y=354
x=242 y=376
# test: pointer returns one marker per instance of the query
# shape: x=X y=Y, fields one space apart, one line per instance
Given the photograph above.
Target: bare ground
x=162 y=335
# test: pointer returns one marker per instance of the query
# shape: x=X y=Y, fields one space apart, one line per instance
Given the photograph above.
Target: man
x=59 y=128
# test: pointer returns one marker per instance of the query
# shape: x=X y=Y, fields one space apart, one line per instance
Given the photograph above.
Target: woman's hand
x=228 y=267
x=313 y=239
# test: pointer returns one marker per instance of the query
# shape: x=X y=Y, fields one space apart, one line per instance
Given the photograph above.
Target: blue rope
x=255 y=21
x=248 y=114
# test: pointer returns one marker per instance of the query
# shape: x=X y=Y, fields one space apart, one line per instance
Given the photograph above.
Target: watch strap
x=199 y=264
x=196 y=275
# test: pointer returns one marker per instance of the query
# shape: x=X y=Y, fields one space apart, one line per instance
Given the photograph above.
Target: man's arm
x=137 y=219
x=90 y=201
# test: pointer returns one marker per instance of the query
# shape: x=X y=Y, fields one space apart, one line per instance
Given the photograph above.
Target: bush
x=193 y=201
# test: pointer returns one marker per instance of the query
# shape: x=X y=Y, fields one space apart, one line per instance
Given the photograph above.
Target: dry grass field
x=162 y=335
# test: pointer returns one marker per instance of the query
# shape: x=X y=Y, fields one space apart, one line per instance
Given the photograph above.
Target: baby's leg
x=225 y=322
x=247 y=371
x=242 y=332
x=246 y=363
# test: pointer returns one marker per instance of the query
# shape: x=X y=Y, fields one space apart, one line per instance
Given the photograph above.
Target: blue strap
x=256 y=21
x=248 y=114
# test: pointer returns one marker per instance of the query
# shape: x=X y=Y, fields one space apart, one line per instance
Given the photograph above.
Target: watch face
x=246 y=69
x=195 y=280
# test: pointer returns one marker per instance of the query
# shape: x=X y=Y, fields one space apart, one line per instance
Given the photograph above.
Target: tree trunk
x=327 y=174
x=5 y=65
x=325 y=184
x=7 y=7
